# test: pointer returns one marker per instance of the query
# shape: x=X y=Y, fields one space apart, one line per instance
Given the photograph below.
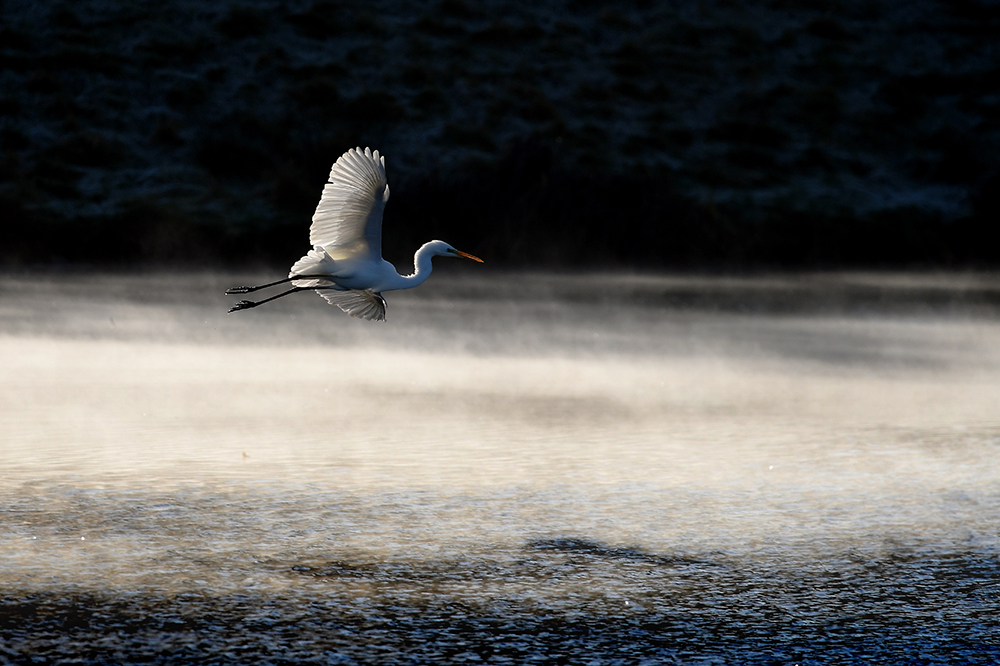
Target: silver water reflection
x=513 y=467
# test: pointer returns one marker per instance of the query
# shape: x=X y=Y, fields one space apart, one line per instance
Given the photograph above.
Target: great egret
x=345 y=265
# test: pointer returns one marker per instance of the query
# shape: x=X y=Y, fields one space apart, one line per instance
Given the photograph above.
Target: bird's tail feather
x=316 y=262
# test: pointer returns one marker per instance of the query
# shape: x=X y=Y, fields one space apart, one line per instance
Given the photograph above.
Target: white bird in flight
x=345 y=265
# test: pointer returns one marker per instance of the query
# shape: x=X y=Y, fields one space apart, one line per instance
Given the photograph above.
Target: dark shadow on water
x=599 y=550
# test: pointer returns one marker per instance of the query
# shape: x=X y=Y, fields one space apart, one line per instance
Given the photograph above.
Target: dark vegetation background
x=758 y=133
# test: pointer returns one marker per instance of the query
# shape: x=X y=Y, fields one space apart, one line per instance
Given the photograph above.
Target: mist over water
x=514 y=467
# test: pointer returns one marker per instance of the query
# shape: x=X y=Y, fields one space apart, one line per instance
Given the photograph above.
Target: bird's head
x=443 y=249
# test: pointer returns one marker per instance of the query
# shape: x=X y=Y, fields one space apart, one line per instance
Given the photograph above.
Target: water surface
x=513 y=468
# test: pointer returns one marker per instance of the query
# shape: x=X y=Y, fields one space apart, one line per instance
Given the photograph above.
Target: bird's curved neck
x=422 y=268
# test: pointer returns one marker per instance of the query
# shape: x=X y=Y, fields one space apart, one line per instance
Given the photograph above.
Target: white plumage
x=350 y=210
x=345 y=265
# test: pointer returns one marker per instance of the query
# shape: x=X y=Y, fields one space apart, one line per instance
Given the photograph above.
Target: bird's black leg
x=246 y=305
x=247 y=290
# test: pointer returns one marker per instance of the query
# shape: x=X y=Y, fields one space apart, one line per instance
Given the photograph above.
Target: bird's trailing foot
x=243 y=305
x=240 y=290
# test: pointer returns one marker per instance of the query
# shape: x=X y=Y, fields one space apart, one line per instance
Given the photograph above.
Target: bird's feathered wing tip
x=349 y=212
x=362 y=303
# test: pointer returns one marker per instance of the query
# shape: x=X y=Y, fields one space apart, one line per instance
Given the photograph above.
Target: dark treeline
x=560 y=133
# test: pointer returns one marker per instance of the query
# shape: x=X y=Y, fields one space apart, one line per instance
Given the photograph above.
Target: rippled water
x=512 y=469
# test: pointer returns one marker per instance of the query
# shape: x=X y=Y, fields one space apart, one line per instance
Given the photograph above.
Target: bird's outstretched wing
x=348 y=219
x=362 y=303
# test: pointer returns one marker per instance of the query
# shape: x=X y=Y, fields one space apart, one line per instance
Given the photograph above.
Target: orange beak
x=468 y=256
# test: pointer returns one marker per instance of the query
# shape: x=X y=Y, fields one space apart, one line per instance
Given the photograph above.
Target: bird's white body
x=363 y=272
x=345 y=265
